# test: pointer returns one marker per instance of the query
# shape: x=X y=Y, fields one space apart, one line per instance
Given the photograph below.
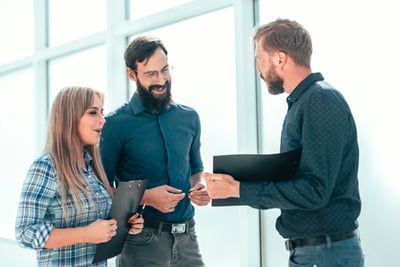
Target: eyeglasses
x=154 y=75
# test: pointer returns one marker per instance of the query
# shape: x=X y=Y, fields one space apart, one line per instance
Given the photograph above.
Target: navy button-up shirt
x=164 y=148
x=323 y=198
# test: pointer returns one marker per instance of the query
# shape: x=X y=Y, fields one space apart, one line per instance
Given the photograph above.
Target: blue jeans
x=344 y=253
x=153 y=248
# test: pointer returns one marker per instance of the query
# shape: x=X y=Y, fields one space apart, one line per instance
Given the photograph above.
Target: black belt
x=173 y=228
x=298 y=243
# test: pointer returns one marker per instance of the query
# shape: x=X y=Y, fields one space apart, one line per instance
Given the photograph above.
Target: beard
x=155 y=103
x=273 y=82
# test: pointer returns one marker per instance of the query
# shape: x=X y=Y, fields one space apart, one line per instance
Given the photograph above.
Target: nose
x=102 y=119
x=162 y=77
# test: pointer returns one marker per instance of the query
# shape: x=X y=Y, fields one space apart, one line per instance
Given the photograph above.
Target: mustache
x=158 y=86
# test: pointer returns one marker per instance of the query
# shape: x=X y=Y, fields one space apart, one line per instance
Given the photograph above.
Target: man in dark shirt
x=321 y=204
x=153 y=138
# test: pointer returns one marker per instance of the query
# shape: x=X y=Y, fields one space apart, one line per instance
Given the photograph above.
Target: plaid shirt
x=40 y=211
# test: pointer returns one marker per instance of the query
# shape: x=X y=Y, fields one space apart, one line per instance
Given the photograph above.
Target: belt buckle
x=178 y=228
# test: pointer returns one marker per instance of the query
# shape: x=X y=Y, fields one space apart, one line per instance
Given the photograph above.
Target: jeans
x=152 y=248
x=344 y=253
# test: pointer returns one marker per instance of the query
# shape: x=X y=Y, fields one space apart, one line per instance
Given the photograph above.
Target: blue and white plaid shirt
x=40 y=211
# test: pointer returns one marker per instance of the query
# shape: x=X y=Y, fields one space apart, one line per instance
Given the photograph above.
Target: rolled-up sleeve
x=32 y=229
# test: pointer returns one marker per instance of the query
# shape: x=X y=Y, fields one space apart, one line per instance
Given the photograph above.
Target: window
x=17 y=142
x=87 y=68
x=16 y=29
x=72 y=19
x=139 y=8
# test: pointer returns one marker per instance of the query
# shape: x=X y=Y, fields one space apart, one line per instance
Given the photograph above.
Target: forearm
x=196 y=178
x=66 y=237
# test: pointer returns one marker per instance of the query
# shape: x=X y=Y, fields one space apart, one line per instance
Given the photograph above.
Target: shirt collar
x=136 y=104
x=303 y=86
x=88 y=157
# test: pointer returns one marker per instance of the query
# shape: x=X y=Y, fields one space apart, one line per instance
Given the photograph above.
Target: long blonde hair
x=64 y=144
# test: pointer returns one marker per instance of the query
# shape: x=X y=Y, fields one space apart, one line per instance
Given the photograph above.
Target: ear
x=281 y=57
x=131 y=74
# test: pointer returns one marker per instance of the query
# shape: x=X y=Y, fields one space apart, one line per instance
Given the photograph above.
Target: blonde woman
x=66 y=197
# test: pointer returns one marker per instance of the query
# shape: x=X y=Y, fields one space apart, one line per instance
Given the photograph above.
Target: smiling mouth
x=157 y=88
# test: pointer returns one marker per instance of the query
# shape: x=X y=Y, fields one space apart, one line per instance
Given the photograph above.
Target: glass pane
x=87 y=68
x=17 y=133
x=140 y=8
x=16 y=29
x=72 y=19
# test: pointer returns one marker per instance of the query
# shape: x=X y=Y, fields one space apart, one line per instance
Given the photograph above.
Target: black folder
x=126 y=202
x=256 y=168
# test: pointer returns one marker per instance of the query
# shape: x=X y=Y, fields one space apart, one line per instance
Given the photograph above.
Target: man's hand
x=198 y=194
x=221 y=185
x=164 y=198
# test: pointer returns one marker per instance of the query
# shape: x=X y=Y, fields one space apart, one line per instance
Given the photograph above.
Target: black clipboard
x=126 y=202
x=256 y=168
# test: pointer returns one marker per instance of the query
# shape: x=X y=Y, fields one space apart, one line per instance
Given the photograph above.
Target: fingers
x=171 y=201
x=200 y=198
x=173 y=190
x=197 y=187
x=102 y=230
x=136 y=222
x=113 y=227
x=176 y=196
x=134 y=231
x=135 y=218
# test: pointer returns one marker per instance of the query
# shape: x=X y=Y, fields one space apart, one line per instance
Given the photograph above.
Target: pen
x=141 y=211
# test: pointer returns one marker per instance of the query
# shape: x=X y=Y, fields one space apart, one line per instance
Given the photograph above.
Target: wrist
x=83 y=234
x=237 y=189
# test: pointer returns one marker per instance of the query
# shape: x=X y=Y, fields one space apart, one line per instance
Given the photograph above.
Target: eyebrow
x=150 y=71
x=94 y=107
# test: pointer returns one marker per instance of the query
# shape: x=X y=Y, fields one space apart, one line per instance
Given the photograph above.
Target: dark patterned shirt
x=323 y=198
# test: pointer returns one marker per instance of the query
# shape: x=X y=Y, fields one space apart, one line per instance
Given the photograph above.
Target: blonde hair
x=64 y=144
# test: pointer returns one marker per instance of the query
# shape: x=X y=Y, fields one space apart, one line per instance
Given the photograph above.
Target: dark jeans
x=153 y=248
x=344 y=253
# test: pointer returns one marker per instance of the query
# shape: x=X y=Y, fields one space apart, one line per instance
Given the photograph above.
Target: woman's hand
x=136 y=222
x=101 y=231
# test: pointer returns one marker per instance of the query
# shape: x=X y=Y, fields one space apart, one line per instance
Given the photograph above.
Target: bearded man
x=153 y=138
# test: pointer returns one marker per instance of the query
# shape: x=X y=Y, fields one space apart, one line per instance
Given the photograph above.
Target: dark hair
x=287 y=36
x=141 y=49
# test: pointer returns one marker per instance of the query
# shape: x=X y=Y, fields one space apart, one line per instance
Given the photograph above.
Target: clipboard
x=126 y=202
x=256 y=168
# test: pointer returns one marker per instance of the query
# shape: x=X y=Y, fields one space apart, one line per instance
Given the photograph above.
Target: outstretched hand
x=221 y=185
